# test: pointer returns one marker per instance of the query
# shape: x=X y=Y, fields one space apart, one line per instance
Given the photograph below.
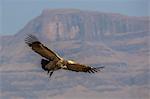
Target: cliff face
x=83 y=25
x=115 y=31
x=111 y=31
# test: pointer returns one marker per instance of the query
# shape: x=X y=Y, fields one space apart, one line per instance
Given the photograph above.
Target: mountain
x=75 y=24
x=118 y=42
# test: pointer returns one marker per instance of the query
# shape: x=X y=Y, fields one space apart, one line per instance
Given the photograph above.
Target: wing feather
x=39 y=48
x=83 y=68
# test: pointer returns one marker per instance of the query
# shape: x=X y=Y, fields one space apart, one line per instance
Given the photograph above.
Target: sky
x=15 y=14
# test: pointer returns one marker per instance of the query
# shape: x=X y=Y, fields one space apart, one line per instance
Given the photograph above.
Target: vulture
x=52 y=61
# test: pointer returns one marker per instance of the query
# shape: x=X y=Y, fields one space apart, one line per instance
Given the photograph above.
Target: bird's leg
x=48 y=71
x=51 y=74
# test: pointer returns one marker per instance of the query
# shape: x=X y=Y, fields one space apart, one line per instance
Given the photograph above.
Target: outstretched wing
x=39 y=48
x=83 y=68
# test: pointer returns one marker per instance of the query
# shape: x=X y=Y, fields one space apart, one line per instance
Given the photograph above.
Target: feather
x=83 y=68
x=44 y=63
x=39 y=48
x=53 y=61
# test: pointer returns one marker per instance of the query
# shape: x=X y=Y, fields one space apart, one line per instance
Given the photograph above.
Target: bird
x=51 y=61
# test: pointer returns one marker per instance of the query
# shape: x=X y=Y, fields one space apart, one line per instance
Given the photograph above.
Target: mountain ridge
x=81 y=26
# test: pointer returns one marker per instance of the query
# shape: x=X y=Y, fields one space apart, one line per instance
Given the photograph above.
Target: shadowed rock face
x=75 y=24
x=116 y=41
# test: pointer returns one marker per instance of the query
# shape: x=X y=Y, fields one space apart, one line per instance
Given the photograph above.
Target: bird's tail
x=44 y=63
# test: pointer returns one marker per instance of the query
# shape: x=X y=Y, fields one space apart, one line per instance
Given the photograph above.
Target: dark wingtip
x=94 y=70
x=30 y=39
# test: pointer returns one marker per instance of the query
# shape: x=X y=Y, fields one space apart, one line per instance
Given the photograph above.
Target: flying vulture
x=52 y=61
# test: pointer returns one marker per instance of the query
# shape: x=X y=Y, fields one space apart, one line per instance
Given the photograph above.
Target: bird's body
x=53 y=61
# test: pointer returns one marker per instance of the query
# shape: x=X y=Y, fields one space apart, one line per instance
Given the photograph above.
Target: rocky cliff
x=64 y=24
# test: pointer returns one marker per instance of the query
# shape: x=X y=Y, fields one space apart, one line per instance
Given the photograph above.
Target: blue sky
x=15 y=14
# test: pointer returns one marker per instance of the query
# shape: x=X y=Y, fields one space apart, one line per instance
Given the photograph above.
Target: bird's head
x=71 y=62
